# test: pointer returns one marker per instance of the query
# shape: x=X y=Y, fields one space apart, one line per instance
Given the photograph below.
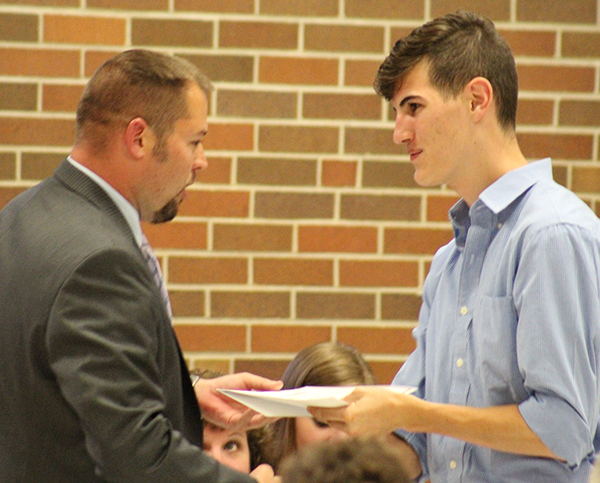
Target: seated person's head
x=348 y=461
x=240 y=450
x=323 y=364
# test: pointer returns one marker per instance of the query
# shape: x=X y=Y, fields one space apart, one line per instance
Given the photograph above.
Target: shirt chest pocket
x=494 y=350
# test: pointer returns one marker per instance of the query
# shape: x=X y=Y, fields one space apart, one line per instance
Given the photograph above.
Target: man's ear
x=480 y=93
x=139 y=137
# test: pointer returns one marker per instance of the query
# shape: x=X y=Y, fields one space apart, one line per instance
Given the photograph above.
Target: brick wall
x=307 y=226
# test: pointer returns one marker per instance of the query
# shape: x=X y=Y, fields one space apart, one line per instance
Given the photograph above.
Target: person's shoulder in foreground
x=354 y=460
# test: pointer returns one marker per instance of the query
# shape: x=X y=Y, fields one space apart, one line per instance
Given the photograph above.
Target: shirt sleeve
x=413 y=371
x=556 y=295
x=104 y=347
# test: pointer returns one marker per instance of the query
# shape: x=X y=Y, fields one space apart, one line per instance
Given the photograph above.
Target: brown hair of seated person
x=354 y=460
x=322 y=364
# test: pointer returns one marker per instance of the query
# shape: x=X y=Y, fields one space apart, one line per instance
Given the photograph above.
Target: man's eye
x=231 y=446
x=413 y=106
x=321 y=424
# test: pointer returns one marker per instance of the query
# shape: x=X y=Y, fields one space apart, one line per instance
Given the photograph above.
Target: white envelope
x=292 y=403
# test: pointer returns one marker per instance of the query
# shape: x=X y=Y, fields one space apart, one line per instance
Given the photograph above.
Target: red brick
x=224 y=68
x=384 y=371
x=360 y=72
x=38 y=132
x=559 y=146
x=258 y=35
x=271 y=369
x=264 y=105
x=7 y=194
x=343 y=38
x=187 y=303
x=44 y=3
x=174 y=32
x=277 y=172
x=8 y=166
x=397 y=33
x=288 y=271
x=38 y=166
x=338 y=173
x=229 y=137
x=405 y=307
x=496 y=10
x=371 y=340
x=129 y=4
x=222 y=6
x=262 y=238
x=367 y=273
x=556 y=78
x=335 y=305
x=371 y=140
x=176 y=234
x=282 y=205
x=586 y=179
x=298 y=70
x=535 y=111
x=18 y=97
x=217 y=338
x=341 y=106
x=397 y=9
x=298 y=139
x=579 y=113
x=580 y=44
x=250 y=304
x=216 y=203
x=19 y=27
x=419 y=241
x=380 y=207
x=71 y=29
x=535 y=43
x=386 y=174
x=302 y=8
x=215 y=365
x=271 y=338
x=565 y=11
x=94 y=59
x=438 y=207
x=39 y=62
x=213 y=270
x=344 y=239
x=218 y=171
x=60 y=97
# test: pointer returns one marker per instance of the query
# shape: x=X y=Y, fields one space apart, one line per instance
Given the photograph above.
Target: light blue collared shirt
x=511 y=315
x=129 y=212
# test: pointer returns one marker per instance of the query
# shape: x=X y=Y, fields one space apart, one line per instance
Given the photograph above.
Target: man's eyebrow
x=406 y=99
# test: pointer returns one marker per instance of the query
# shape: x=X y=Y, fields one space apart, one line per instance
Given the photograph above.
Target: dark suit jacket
x=93 y=387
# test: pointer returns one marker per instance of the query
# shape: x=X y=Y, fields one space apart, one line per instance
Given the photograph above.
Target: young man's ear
x=139 y=137
x=481 y=96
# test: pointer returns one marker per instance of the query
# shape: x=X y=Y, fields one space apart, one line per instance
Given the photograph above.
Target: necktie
x=154 y=267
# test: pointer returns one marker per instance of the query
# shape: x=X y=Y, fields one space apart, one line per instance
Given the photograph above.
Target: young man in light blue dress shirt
x=507 y=363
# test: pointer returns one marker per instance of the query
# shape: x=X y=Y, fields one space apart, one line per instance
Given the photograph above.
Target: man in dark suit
x=93 y=385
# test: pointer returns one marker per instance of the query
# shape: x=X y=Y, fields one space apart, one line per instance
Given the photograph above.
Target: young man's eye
x=413 y=106
x=232 y=446
x=321 y=424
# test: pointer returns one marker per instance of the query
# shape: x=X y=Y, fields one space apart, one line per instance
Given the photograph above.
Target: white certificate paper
x=292 y=403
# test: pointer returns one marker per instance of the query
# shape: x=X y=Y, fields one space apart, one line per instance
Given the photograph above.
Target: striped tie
x=154 y=267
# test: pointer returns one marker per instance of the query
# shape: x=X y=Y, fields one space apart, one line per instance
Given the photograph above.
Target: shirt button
x=464 y=310
x=459 y=363
x=452 y=465
x=499 y=225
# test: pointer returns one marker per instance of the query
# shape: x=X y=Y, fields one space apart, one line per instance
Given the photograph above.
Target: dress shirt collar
x=499 y=195
x=128 y=211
